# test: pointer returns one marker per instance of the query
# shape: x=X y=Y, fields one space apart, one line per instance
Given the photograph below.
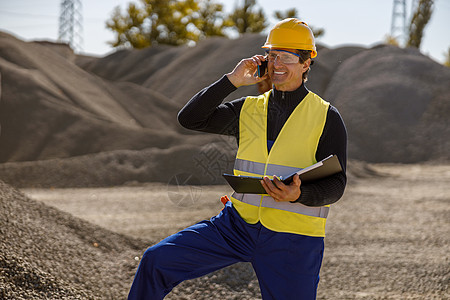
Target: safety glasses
x=283 y=56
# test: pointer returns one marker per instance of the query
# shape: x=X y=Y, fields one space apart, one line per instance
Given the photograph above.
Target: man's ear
x=306 y=64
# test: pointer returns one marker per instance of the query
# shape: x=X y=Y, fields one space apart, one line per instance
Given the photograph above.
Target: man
x=283 y=130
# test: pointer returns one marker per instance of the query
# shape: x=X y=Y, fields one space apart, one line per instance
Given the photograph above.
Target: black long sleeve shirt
x=204 y=112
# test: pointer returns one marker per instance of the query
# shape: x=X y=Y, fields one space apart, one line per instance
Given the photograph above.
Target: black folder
x=252 y=185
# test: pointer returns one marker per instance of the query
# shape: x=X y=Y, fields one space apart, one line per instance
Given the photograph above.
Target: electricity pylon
x=71 y=24
x=399 y=29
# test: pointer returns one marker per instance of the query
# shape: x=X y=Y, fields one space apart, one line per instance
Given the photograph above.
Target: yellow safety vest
x=294 y=149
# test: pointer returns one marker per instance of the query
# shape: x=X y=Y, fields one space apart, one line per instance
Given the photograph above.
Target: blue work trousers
x=287 y=265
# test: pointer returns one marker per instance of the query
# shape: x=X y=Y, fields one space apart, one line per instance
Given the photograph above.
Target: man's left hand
x=281 y=192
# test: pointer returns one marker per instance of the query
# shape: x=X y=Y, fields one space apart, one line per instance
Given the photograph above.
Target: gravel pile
x=49 y=254
x=395 y=103
x=62 y=114
x=196 y=165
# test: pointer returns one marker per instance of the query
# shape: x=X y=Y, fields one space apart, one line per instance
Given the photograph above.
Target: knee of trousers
x=150 y=281
x=153 y=258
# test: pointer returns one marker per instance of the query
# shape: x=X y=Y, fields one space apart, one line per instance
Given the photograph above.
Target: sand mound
x=131 y=65
x=48 y=254
x=177 y=72
x=56 y=106
x=183 y=165
x=326 y=65
x=51 y=108
x=395 y=103
x=180 y=165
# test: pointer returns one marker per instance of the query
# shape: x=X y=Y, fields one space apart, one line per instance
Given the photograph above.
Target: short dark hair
x=304 y=55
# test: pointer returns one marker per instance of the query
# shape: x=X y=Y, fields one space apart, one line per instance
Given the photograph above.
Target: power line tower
x=399 y=29
x=71 y=24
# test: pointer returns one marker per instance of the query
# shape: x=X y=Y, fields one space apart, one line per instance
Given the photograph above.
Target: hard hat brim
x=301 y=47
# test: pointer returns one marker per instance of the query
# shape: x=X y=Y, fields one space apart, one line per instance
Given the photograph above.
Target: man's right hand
x=244 y=72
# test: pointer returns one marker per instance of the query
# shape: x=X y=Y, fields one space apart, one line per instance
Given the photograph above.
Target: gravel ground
x=388 y=238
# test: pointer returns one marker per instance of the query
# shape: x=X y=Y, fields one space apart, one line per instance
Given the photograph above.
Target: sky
x=346 y=22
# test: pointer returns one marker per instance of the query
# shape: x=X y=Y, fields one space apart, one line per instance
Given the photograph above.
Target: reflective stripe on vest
x=260 y=168
x=294 y=149
x=267 y=201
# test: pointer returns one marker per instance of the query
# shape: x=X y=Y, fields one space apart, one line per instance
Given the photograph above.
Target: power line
x=27 y=15
x=41 y=16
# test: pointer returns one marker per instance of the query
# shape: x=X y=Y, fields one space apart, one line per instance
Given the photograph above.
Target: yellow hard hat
x=291 y=34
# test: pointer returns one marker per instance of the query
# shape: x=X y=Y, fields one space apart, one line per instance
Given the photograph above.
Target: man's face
x=285 y=69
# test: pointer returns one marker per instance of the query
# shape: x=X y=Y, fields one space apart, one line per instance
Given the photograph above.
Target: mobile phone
x=262 y=68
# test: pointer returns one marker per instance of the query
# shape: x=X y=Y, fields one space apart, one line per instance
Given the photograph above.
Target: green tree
x=172 y=22
x=211 y=20
x=129 y=27
x=247 y=19
x=419 y=20
x=292 y=13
